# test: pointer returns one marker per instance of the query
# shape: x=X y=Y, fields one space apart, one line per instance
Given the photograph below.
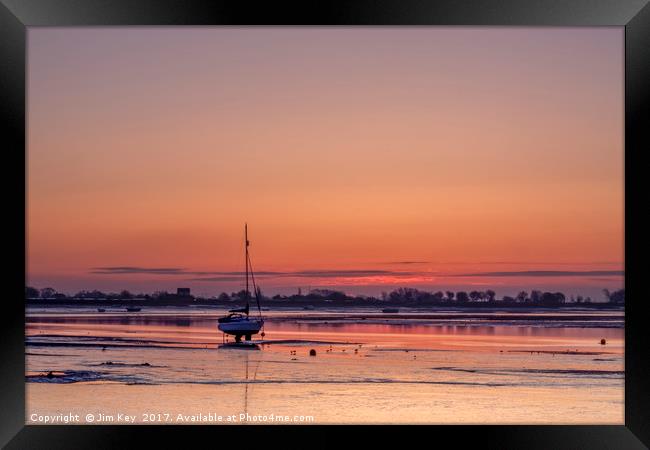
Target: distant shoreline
x=316 y=304
x=460 y=318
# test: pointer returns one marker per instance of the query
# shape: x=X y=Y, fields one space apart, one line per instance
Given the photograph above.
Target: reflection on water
x=363 y=371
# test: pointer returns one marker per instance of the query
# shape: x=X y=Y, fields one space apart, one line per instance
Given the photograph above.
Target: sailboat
x=238 y=322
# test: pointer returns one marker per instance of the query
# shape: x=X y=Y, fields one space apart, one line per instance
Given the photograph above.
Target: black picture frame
x=17 y=15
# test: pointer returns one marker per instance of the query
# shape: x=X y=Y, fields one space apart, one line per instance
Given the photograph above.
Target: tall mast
x=246 y=246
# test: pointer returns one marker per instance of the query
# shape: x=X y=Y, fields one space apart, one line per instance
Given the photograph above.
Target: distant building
x=183 y=292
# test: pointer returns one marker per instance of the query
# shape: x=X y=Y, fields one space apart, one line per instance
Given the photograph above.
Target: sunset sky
x=362 y=159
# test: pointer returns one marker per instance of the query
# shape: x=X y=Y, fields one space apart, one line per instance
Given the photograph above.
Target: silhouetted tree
x=126 y=294
x=508 y=299
x=31 y=292
x=404 y=295
x=616 y=297
x=522 y=297
x=241 y=295
x=462 y=297
x=48 y=292
x=535 y=296
x=328 y=294
x=552 y=298
x=450 y=296
x=475 y=296
x=223 y=297
x=490 y=295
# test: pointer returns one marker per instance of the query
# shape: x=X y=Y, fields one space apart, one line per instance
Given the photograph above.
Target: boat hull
x=241 y=327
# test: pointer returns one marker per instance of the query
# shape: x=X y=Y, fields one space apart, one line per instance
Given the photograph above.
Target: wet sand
x=154 y=368
x=333 y=404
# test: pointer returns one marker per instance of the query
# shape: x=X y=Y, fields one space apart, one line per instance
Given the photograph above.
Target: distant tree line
x=50 y=293
x=400 y=295
x=462 y=297
x=412 y=295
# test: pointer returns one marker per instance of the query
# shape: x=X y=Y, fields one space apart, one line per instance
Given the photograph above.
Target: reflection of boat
x=239 y=346
x=247 y=382
x=101 y=310
x=390 y=310
x=133 y=309
x=238 y=322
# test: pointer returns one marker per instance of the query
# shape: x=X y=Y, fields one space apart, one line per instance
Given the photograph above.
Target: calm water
x=167 y=365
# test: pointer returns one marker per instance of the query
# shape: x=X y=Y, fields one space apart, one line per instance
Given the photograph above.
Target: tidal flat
x=170 y=365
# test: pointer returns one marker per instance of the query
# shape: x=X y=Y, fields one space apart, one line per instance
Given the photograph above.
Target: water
x=163 y=364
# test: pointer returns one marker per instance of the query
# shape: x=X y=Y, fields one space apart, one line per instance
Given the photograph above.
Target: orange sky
x=466 y=150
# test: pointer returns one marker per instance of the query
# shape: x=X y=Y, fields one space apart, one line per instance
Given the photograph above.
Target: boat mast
x=246 y=246
x=249 y=269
